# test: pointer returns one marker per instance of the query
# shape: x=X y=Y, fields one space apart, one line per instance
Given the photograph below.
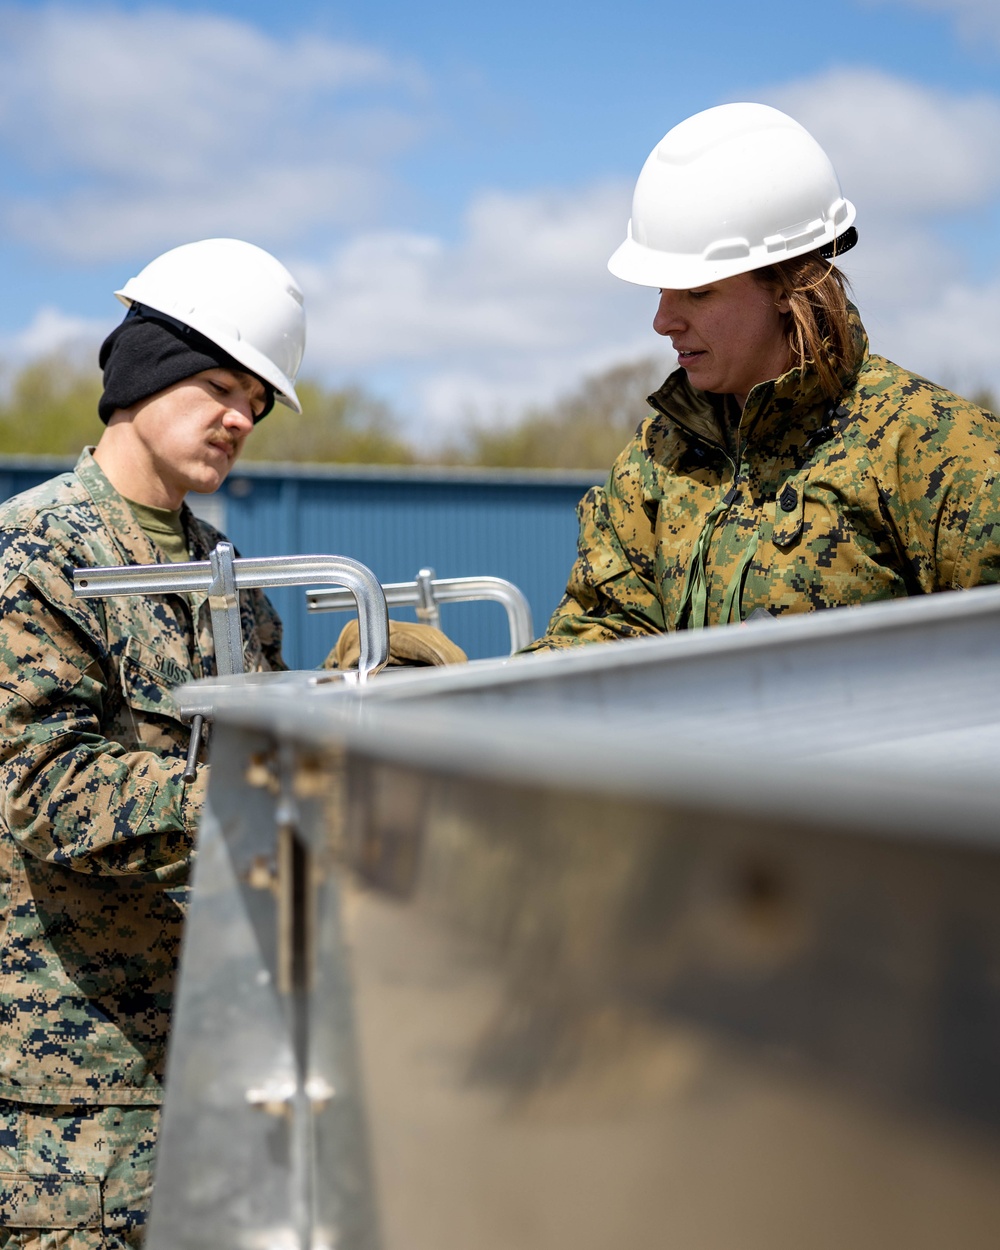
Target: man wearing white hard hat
x=784 y=467
x=97 y=822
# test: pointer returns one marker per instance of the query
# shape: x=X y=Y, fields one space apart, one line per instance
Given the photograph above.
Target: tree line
x=49 y=407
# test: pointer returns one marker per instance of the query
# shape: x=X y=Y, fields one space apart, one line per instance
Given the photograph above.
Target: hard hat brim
x=673 y=271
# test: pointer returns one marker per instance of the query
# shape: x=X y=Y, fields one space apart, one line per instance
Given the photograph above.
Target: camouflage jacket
x=97 y=826
x=799 y=504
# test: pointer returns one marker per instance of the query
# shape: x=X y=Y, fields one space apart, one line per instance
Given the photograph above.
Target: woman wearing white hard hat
x=784 y=467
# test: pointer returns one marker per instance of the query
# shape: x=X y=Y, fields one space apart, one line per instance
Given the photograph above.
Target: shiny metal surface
x=224 y=604
x=427 y=605
x=247 y=573
x=426 y=592
x=693 y=942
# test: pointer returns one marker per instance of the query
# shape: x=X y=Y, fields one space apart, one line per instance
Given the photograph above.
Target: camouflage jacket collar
x=799 y=391
x=134 y=545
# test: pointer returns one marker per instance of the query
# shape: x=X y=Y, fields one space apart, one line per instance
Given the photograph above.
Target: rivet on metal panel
x=261 y=773
x=310 y=779
x=320 y=1092
x=761 y=890
x=270 y=1239
x=274 y=1098
x=770 y=923
x=262 y=874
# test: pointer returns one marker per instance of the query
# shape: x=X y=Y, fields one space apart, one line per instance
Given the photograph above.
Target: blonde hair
x=818 y=328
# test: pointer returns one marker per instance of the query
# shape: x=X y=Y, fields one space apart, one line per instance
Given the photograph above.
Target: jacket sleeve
x=977 y=562
x=611 y=590
x=72 y=795
x=940 y=489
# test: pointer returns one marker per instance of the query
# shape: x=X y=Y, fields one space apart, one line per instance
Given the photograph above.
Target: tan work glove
x=410 y=646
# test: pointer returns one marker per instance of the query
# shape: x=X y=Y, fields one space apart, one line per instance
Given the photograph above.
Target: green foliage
x=50 y=408
x=336 y=427
x=585 y=429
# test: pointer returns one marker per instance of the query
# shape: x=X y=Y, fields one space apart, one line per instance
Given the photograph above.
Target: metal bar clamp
x=427 y=592
x=223 y=577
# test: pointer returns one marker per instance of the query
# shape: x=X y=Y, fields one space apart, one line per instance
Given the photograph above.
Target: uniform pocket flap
x=49 y=1201
x=599 y=547
x=149 y=677
x=605 y=565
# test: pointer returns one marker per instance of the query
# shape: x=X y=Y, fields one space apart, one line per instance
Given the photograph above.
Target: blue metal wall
x=517 y=525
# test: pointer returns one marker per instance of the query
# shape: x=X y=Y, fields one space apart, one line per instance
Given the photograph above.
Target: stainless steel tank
x=689 y=942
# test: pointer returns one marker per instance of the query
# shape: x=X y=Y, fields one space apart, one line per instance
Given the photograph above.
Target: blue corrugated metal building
x=516 y=524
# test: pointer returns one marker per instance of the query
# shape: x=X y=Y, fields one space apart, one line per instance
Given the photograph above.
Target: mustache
x=223 y=437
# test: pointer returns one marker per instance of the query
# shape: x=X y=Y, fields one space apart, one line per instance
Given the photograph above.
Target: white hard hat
x=726 y=191
x=236 y=295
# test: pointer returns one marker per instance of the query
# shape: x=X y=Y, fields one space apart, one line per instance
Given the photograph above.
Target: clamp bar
x=211 y=576
x=427 y=605
x=427 y=591
x=224 y=604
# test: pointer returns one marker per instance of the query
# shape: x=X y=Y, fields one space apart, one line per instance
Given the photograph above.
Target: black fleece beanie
x=145 y=355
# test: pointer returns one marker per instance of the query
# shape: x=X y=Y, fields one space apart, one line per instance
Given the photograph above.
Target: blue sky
x=447 y=181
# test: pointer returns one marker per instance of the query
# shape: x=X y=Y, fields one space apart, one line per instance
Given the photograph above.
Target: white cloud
x=952 y=338
x=141 y=128
x=516 y=310
x=522 y=278
x=520 y=305
x=173 y=126
x=920 y=164
x=52 y=330
x=900 y=147
x=272 y=206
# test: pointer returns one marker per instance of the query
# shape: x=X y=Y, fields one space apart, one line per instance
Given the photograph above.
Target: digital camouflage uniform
x=95 y=848
x=890 y=490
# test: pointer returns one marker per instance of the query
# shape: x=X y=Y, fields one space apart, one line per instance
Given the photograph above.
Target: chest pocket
x=147 y=679
x=788 y=515
x=605 y=565
x=49 y=1202
x=600 y=545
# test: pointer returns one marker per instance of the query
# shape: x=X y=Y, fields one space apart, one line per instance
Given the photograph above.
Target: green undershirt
x=165 y=529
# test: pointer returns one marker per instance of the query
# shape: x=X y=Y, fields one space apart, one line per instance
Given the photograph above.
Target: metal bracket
x=224 y=604
x=222 y=576
x=428 y=591
x=427 y=605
